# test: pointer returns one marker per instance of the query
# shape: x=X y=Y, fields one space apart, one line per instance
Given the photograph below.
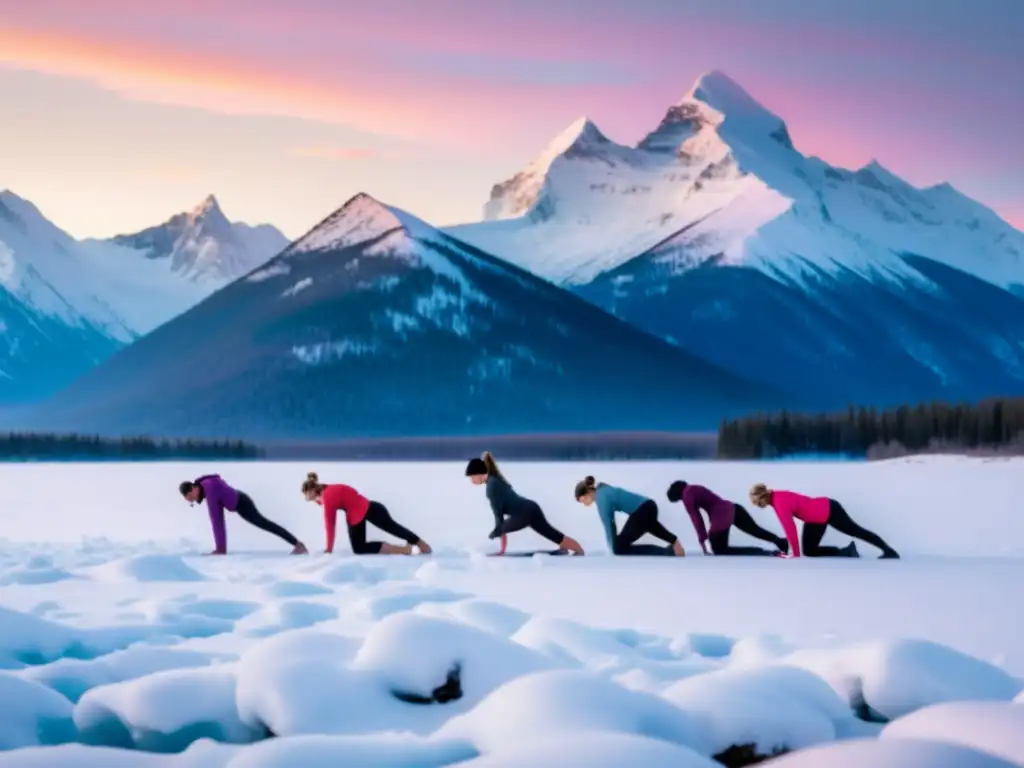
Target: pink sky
x=124 y=112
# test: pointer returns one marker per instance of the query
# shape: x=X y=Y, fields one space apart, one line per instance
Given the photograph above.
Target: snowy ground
x=116 y=636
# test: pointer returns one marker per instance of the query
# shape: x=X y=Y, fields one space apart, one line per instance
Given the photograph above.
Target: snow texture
x=149 y=654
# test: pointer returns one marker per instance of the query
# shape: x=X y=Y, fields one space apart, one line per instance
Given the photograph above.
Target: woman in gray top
x=511 y=511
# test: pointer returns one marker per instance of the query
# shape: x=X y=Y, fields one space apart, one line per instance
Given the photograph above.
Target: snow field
x=145 y=654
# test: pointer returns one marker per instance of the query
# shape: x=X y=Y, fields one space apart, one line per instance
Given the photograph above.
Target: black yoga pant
x=644 y=520
x=248 y=512
x=838 y=518
x=531 y=516
x=719 y=540
x=377 y=514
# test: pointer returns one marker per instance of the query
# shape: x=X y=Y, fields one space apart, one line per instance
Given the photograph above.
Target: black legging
x=643 y=520
x=719 y=540
x=248 y=512
x=378 y=515
x=838 y=518
x=530 y=515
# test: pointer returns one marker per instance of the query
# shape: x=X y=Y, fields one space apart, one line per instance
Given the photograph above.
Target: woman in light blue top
x=642 y=514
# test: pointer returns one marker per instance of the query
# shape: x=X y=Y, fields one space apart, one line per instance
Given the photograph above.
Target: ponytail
x=492 y=465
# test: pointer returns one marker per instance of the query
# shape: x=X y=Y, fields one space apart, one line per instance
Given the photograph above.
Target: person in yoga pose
x=722 y=516
x=359 y=511
x=511 y=511
x=817 y=514
x=642 y=517
x=219 y=496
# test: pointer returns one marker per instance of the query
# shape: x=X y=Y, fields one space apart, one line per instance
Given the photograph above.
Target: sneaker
x=300 y=549
x=890 y=554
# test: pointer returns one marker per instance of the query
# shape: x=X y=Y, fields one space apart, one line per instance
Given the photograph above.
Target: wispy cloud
x=334 y=153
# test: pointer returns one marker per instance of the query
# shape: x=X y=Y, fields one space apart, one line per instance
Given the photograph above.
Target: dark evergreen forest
x=994 y=426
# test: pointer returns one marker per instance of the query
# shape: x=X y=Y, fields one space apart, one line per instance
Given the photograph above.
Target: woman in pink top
x=816 y=514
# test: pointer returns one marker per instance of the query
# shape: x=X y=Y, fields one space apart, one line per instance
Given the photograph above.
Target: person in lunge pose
x=219 y=496
x=511 y=511
x=817 y=514
x=642 y=514
x=359 y=511
x=722 y=516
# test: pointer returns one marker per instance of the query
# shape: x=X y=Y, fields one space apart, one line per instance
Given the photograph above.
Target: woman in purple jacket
x=219 y=496
x=722 y=516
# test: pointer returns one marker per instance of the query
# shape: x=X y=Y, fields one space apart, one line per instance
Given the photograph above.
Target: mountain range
x=708 y=269
x=66 y=305
x=714 y=232
x=375 y=323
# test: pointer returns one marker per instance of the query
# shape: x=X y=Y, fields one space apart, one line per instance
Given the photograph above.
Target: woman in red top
x=359 y=511
x=817 y=514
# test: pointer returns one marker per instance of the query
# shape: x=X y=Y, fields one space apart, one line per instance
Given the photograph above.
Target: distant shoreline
x=550 y=447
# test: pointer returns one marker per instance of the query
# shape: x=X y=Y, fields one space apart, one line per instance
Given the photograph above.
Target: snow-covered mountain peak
x=715 y=116
x=581 y=141
x=361 y=219
x=581 y=136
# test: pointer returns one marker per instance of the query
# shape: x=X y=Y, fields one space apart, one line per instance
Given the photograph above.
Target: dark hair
x=312 y=483
x=186 y=487
x=485 y=465
x=585 y=486
x=675 y=491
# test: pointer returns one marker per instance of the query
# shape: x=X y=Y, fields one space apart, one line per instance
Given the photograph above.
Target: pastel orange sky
x=119 y=113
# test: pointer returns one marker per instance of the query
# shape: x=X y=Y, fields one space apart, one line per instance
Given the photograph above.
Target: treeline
x=28 y=446
x=991 y=426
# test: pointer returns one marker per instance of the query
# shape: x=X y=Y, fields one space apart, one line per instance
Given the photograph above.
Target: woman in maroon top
x=722 y=516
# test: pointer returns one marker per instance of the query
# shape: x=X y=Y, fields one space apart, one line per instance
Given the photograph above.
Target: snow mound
x=285 y=589
x=773 y=709
x=73 y=677
x=293 y=683
x=164 y=711
x=285 y=615
x=483 y=614
x=393 y=750
x=403 y=597
x=600 y=750
x=27 y=639
x=354 y=573
x=891 y=753
x=610 y=651
x=987 y=726
x=32 y=715
x=890 y=679
x=415 y=654
x=202 y=754
x=565 y=702
x=35 y=574
x=148 y=568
